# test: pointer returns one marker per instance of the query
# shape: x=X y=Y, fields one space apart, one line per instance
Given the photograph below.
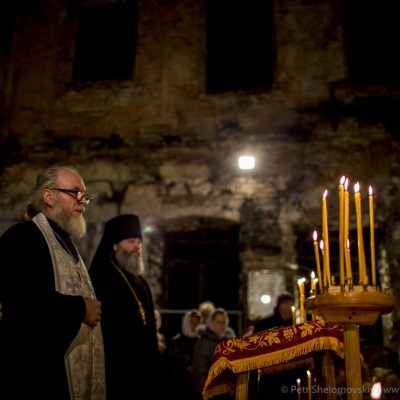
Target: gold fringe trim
x=273 y=358
x=221 y=389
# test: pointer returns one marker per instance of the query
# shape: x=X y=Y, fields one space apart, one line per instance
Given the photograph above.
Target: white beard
x=75 y=226
x=130 y=262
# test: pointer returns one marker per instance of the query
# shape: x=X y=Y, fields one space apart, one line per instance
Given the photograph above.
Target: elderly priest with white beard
x=50 y=338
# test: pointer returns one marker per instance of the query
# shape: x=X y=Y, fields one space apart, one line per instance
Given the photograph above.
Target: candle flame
x=348 y=243
x=308 y=373
x=325 y=193
x=356 y=187
x=293 y=308
x=342 y=180
x=300 y=281
x=312 y=275
x=315 y=236
x=346 y=184
x=371 y=192
x=298 y=381
x=321 y=244
x=376 y=390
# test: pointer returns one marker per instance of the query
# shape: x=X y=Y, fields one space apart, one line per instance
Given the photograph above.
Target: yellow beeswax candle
x=321 y=246
x=341 y=229
x=312 y=282
x=372 y=235
x=346 y=228
x=309 y=385
x=317 y=262
x=298 y=389
x=360 y=240
x=325 y=237
x=300 y=283
x=348 y=258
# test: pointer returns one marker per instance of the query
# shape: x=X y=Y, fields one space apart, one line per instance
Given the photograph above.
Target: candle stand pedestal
x=358 y=305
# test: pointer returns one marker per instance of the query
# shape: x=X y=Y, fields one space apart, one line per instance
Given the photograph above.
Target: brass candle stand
x=351 y=306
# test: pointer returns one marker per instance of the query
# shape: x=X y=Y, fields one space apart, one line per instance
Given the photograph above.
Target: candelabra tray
x=360 y=306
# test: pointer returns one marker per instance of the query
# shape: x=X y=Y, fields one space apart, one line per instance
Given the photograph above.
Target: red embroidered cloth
x=269 y=348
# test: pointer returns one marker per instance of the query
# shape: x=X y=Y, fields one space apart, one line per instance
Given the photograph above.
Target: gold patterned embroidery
x=272 y=337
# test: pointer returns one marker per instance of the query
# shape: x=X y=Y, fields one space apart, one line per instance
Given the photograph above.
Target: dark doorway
x=201 y=262
x=106 y=42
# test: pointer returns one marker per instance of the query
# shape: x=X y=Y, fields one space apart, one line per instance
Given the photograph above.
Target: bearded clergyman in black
x=50 y=338
x=129 y=331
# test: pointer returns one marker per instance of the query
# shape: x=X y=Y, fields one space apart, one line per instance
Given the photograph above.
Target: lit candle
x=312 y=282
x=360 y=240
x=300 y=283
x=309 y=388
x=341 y=229
x=298 y=388
x=376 y=391
x=346 y=229
x=372 y=235
x=348 y=258
x=325 y=237
x=293 y=315
x=321 y=246
x=317 y=262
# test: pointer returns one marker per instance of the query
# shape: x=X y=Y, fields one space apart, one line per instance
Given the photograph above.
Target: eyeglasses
x=76 y=194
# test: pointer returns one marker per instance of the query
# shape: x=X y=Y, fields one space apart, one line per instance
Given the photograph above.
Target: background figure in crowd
x=271 y=385
x=128 y=321
x=161 y=341
x=282 y=315
x=214 y=332
x=250 y=328
x=51 y=344
x=206 y=308
x=180 y=356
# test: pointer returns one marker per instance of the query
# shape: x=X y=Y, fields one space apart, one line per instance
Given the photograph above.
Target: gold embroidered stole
x=84 y=360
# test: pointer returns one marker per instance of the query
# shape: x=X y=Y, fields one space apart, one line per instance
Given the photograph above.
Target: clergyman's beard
x=130 y=262
x=73 y=225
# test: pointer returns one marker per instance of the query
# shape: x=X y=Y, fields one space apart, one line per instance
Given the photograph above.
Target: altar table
x=274 y=348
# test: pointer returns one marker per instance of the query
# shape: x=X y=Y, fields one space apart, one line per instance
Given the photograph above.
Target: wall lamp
x=247 y=162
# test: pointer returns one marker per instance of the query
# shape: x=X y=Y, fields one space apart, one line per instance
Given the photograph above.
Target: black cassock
x=130 y=342
x=38 y=323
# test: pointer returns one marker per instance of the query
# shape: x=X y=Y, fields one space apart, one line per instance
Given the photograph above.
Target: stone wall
x=160 y=146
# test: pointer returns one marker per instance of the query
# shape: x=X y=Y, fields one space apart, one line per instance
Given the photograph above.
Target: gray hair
x=46 y=179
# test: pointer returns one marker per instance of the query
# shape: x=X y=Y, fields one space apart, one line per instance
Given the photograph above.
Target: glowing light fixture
x=247 y=162
x=265 y=299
